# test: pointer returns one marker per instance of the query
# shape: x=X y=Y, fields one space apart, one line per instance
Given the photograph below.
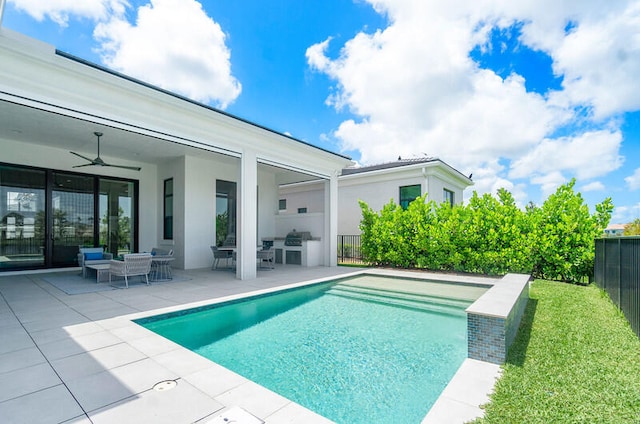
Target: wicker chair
x=92 y=256
x=133 y=264
x=161 y=264
x=267 y=255
x=220 y=255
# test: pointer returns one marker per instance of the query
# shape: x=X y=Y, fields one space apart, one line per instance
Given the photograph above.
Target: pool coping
x=459 y=402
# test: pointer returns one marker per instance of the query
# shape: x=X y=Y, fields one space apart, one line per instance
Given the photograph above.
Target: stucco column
x=331 y=221
x=247 y=226
x=2 y=5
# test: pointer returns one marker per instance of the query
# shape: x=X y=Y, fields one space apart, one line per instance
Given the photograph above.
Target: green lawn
x=575 y=360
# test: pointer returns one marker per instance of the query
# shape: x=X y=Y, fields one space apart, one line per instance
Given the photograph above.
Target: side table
x=102 y=272
x=161 y=268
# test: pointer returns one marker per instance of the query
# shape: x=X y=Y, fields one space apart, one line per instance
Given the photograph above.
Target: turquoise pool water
x=364 y=350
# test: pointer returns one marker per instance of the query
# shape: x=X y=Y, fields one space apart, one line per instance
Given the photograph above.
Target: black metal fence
x=617 y=271
x=349 y=249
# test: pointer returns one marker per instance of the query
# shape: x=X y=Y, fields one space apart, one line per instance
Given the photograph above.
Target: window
x=302 y=210
x=117 y=216
x=226 y=193
x=282 y=204
x=167 y=232
x=408 y=194
x=448 y=196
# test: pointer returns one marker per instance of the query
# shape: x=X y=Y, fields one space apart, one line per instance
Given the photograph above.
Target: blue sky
x=525 y=96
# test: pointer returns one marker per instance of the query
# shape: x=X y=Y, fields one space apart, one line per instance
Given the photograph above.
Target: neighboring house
x=401 y=180
x=614 y=230
x=200 y=168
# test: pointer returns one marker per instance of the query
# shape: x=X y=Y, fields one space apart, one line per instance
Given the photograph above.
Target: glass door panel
x=117 y=216
x=22 y=218
x=72 y=216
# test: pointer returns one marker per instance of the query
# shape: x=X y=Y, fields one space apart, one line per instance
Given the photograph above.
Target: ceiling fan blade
x=99 y=162
x=133 y=168
x=83 y=157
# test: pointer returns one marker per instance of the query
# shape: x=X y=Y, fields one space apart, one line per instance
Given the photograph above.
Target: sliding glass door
x=22 y=217
x=72 y=216
x=46 y=216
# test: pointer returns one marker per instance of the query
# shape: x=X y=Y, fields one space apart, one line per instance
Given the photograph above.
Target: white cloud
x=414 y=88
x=60 y=11
x=588 y=155
x=175 y=45
x=593 y=186
x=633 y=181
x=600 y=60
x=625 y=214
x=550 y=182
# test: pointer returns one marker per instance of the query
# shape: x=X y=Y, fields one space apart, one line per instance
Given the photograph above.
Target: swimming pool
x=367 y=349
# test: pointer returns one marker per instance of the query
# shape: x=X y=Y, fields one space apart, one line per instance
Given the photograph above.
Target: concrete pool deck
x=80 y=358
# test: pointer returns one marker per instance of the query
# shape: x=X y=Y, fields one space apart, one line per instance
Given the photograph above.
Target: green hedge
x=488 y=235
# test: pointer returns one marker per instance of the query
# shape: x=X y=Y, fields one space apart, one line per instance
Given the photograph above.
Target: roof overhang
x=435 y=167
x=52 y=99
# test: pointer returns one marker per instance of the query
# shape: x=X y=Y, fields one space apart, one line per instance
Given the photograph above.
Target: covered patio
x=196 y=165
x=80 y=358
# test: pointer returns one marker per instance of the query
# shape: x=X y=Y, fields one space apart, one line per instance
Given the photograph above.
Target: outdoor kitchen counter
x=309 y=253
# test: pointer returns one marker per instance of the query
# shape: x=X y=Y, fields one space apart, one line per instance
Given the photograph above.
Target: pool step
x=410 y=295
x=409 y=300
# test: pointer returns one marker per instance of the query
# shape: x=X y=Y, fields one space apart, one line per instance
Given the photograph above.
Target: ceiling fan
x=98 y=161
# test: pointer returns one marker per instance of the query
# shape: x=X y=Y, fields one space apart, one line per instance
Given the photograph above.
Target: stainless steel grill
x=295 y=238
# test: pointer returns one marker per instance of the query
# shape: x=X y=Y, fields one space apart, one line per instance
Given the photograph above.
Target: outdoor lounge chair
x=268 y=255
x=156 y=251
x=133 y=264
x=220 y=255
x=92 y=256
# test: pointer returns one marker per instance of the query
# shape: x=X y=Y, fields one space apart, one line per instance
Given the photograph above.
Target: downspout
x=426 y=183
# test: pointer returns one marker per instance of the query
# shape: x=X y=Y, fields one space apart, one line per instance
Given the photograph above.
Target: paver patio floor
x=79 y=358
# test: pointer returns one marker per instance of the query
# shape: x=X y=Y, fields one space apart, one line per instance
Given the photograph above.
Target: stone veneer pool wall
x=493 y=319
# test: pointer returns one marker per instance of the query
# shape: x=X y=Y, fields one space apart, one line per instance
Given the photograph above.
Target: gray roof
x=395 y=164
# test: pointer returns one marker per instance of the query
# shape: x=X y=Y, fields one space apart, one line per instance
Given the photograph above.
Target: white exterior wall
x=436 y=185
x=376 y=188
x=303 y=197
x=312 y=222
x=267 y=204
x=194 y=196
x=173 y=169
x=310 y=195
x=375 y=194
x=197 y=202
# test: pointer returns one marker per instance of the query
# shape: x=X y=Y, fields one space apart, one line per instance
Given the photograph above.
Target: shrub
x=488 y=235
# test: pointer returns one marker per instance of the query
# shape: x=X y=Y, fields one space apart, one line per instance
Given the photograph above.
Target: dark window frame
x=167 y=221
x=448 y=196
x=282 y=204
x=404 y=199
x=48 y=185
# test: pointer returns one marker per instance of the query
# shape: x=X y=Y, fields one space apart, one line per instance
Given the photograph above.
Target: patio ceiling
x=27 y=124
x=30 y=125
